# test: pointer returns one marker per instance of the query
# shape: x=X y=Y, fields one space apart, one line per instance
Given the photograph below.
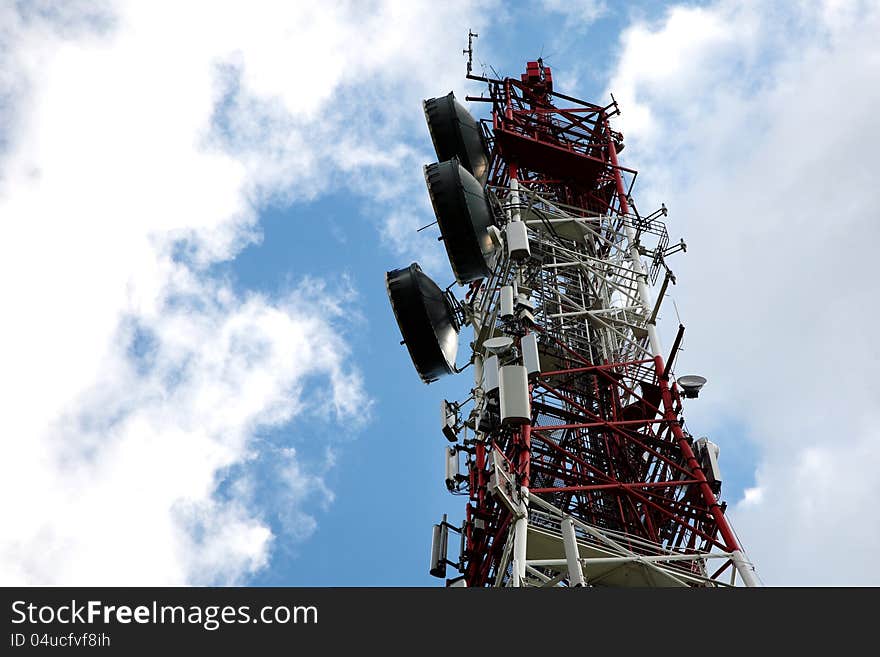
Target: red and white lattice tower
x=570 y=446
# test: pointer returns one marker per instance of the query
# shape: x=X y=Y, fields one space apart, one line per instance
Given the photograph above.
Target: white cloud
x=578 y=13
x=757 y=125
x=134 y=382
x=752 y=496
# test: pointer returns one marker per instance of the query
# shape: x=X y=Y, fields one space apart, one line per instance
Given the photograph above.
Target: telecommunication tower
x=570 y=446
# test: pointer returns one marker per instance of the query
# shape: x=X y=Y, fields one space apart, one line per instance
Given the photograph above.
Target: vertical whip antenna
x=470 y=50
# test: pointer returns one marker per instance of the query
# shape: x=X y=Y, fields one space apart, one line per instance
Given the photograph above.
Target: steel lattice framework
x=598 y=483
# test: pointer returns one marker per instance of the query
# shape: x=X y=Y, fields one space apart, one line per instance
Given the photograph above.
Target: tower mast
x=571 y=446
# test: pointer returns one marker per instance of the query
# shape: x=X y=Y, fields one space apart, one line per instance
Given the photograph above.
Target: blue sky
x=388 y=481
x=206 y=376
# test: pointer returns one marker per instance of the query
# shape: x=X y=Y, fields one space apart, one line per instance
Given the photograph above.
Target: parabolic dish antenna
x=691 y=384
x=464 y=217
x=426 y=321
x=456 y=133
x=498 y=345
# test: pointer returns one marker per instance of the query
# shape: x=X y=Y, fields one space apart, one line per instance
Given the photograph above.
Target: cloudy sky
x=202 y=381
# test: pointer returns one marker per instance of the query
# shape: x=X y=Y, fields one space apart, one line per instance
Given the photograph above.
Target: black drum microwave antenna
x=427 y=321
